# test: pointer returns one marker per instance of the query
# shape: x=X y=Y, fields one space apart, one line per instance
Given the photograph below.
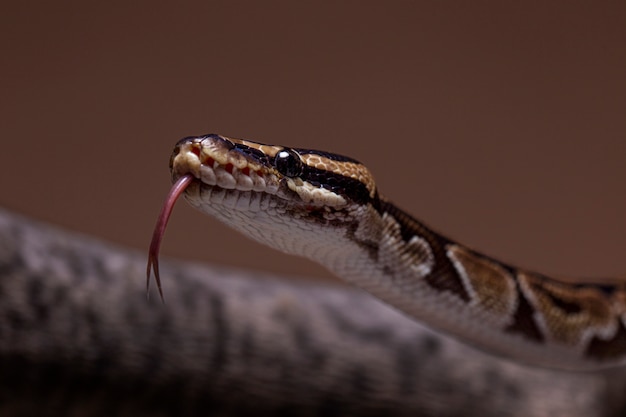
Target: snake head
x=295 y=200
x=299 y=177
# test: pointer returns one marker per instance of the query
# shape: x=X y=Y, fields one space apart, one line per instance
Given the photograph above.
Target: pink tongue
x=159 y=230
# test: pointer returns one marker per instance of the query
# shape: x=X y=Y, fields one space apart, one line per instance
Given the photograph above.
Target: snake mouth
x=218 y=163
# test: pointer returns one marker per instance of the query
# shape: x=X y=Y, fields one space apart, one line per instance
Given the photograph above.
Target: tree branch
x=78 y=337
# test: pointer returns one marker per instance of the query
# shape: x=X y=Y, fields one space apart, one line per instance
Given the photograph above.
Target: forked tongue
x=159 y=230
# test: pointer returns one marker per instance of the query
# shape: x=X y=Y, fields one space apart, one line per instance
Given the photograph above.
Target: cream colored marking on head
x=313 y=194
x=490 y=286
x=348 y=169
x=573 y=328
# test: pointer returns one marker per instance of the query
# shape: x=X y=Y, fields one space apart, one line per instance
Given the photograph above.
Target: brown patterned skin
x=326 y=207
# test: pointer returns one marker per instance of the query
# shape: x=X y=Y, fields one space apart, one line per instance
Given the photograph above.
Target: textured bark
x=79 y=338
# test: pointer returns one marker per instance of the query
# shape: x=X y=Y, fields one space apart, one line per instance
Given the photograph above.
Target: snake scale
x=326 y=207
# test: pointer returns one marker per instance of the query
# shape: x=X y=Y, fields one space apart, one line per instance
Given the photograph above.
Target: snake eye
x=288 y=163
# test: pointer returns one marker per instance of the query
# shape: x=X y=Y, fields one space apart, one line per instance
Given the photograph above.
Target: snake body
x=326 y=207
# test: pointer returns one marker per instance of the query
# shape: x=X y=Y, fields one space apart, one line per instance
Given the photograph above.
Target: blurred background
x=501 y=124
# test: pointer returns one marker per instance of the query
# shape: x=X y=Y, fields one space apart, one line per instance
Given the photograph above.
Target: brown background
x=501 y=124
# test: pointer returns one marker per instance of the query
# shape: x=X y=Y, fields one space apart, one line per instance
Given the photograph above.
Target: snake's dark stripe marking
x=567 y=306
x=256 y=154
x=608 y=349
x=523 y=319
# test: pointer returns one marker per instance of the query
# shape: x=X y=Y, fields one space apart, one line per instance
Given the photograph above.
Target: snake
x=327 y=207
